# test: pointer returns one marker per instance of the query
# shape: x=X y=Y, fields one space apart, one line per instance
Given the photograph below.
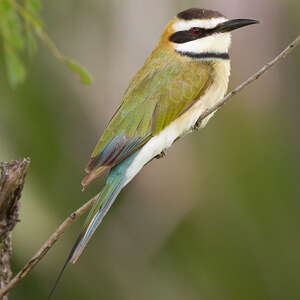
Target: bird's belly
x=177 y=128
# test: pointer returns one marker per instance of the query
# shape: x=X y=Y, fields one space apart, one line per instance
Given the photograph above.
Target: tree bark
x=11 y=185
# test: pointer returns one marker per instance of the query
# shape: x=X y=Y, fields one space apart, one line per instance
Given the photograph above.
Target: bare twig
x=254 y=77
x=67 y=223
x=11 y=185
x=47 y=245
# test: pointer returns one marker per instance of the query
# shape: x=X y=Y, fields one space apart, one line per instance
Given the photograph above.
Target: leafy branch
x=20 y=27
x=75 y=215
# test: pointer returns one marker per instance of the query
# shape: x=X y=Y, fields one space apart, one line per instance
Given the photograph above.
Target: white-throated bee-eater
x=186 y=73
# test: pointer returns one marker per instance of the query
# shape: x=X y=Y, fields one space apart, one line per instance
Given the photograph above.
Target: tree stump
x=11 y=185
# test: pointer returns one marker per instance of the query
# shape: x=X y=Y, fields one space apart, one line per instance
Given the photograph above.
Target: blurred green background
x=217 y=219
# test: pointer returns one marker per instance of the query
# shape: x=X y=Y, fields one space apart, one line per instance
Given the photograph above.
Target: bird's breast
x=213 y=94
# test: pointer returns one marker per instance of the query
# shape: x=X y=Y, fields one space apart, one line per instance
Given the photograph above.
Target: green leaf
x=33 y=5
x=30 y=41
x=15 y=67
x=11 y=25
x=32 y=17
x=32 y=24
x=85 y=77
x=20 y=25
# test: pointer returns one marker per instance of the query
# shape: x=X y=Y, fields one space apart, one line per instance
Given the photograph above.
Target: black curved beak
x=235 y=24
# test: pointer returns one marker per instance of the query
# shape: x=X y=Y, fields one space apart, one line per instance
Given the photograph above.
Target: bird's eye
x=196 y=31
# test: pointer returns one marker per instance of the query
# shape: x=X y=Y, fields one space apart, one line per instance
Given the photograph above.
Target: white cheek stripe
x=217 y=43
x=182 y=25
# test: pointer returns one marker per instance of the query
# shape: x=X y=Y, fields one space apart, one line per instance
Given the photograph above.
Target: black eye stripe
x=185 y=36
x=181 y=37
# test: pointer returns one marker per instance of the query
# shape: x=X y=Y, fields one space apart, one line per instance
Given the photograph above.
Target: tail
x=114 y=184
x=105 y=200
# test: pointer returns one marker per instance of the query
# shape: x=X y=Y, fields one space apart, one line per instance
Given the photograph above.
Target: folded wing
x=157 y=95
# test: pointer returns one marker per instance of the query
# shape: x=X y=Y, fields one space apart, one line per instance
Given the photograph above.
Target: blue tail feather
x=105 y=201
x=114 y=184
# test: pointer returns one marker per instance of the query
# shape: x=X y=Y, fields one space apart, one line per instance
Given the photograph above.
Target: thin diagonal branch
x=254 y=77
x=75 y=215
x=47 y=246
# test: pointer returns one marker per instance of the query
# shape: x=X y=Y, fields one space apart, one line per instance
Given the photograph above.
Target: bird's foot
x=197 y=125
x=161 y=155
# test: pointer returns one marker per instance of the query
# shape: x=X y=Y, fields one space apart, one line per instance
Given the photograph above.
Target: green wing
x=157 y=95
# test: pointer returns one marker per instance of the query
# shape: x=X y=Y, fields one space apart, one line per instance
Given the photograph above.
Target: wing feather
x=157 y=95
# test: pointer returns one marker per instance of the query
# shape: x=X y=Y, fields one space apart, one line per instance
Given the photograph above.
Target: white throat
x=216 y=43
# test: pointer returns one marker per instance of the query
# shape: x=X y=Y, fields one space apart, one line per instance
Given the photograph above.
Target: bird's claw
x=197 y=125
x=161 y=155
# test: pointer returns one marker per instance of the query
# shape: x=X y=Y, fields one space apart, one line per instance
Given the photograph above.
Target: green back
x=161 y=90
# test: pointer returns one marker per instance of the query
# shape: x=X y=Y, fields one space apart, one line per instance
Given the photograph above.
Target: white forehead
x=182 y=25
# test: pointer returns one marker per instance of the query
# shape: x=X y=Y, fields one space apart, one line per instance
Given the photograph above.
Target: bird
x=186 y=73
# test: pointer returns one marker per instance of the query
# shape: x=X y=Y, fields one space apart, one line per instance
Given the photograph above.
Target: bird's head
x=201 y=33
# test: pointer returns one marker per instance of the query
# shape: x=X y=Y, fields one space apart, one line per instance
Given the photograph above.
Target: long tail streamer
x=113 y=186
